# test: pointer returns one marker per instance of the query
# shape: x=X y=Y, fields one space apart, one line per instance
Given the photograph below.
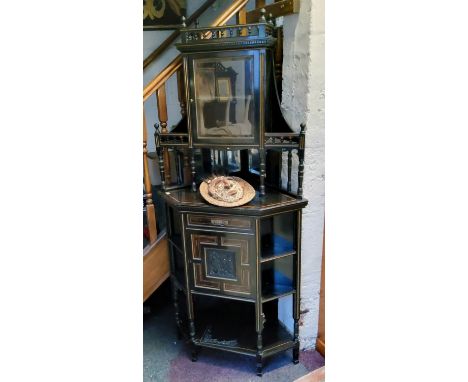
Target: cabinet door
x=224 y=98
x=222 y=263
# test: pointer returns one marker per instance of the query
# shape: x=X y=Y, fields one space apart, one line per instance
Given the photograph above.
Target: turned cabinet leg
x=195 y=351
x=296 y=354
x=259 y=356
x=179 y=334
x=259 y=359
x=195 y=348
x=296 y=339
x=175 y=301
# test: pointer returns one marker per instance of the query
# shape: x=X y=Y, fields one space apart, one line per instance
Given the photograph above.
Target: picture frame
x=163 y=14
x=223 y=89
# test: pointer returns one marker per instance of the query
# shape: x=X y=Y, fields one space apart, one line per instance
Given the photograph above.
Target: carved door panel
x=222 y=264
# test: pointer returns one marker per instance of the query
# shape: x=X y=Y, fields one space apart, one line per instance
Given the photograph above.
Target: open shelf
x=234 y=327
x=277 y=278
x=275 y=246
x=276 y=291
x=278 y=236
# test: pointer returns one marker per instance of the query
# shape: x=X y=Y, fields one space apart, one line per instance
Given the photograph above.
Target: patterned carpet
x=165 y=359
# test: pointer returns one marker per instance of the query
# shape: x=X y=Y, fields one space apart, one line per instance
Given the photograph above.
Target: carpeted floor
x=167 y=359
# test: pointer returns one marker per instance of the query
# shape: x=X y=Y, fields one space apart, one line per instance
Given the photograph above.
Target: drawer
x=222 y=264
x=219 y=221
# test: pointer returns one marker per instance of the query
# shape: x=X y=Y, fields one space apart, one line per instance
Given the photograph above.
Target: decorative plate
x=227 y=191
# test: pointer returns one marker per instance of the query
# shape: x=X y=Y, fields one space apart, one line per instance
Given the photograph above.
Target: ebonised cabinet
x=230 y=266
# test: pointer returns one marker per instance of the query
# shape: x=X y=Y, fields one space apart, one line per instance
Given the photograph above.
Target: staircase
x=155 y=253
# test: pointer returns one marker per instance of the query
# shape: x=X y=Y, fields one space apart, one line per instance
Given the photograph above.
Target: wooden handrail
x=168 y=41
x=175 y=64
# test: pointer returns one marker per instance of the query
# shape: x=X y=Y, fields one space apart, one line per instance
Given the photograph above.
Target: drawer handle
x=219 y=222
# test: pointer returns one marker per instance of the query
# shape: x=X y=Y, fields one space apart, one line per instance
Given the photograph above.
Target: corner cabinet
x=231 y=266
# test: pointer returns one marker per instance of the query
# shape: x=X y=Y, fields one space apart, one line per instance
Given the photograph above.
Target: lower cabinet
x=234 y=276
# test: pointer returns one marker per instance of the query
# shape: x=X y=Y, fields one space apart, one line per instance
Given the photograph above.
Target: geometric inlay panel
x=220 y=263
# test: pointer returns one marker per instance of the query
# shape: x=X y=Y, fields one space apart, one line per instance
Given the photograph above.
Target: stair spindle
x=181 y=92
x=150 y=211
x=241 y=16
x=162 y=108
x=162 y=115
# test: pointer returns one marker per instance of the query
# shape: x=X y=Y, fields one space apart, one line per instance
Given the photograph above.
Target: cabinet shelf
x=276 y=291
x=234 y=329
x=277 y=256
x=275 y=246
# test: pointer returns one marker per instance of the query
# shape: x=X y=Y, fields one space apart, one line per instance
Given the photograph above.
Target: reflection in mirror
x=254 y=161
x=224 y=97
x=225 y=162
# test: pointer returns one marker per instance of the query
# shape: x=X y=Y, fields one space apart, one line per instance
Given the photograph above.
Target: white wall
x=303 y=101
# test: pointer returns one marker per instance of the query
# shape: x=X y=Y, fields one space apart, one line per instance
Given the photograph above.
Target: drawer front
x=219 y=221
x=221 y=264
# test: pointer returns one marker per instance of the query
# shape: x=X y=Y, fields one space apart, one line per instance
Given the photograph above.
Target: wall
x=304 y=101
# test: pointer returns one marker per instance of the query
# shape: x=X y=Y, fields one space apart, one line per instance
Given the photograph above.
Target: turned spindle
x=301 y=160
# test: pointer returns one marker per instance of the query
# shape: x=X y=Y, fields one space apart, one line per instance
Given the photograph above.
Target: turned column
x=262 y=171
x=192 y=163
x=301 y=160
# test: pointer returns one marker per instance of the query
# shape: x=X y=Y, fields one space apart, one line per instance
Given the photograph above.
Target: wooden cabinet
x=232 y=270
x=231 y=265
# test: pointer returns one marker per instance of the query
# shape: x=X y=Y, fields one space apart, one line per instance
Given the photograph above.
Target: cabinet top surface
x=186 y=200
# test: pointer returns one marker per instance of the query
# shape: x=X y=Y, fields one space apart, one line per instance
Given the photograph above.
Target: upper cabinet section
x=226 y=83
